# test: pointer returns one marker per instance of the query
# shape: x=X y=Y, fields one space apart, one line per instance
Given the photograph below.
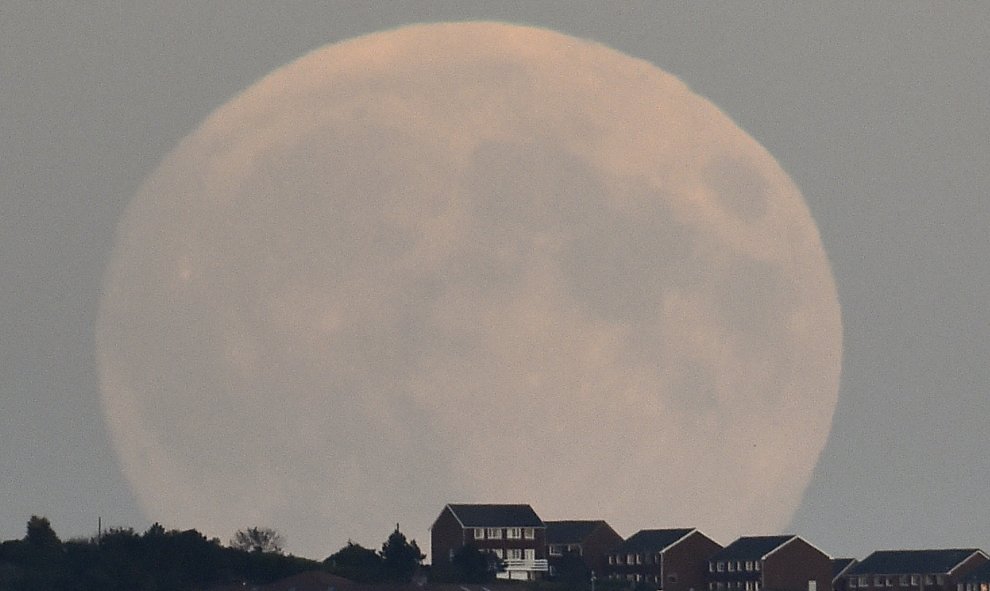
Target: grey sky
x=877 y=112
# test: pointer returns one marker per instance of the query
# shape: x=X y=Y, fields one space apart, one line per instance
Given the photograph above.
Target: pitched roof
x=752 y=547
x=571 y=531
x=839 y=565
x=652 y=540
x=496 y=515
x=898 y=562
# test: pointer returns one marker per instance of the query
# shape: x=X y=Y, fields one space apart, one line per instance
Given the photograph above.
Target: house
x=670 y=559
x=914 y=570
x=839 y=568
x=515 y=534
x=977 y=580
x=770 y=563
x=591 y=540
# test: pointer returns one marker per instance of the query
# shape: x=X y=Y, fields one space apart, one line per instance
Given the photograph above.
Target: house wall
x=446 y=537
x=685 y=564
x=926 y=581
x=597 y=546
x=793 y=565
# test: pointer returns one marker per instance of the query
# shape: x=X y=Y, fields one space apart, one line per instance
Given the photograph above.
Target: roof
x=652 y=540
x=839 y=565
x=572 y=531
x=904 y=562
x=496 y=515
x=752 y=547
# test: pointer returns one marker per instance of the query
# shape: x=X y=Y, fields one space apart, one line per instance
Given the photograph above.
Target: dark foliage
x=471 y=565
x=400 y=558
x=355 y=562
x=121 y=559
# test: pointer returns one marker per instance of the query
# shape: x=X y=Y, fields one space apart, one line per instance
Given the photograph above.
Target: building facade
x=914 y=570
x=591 y=540
x=669 y=559
x=770 y=563
x=514 y=533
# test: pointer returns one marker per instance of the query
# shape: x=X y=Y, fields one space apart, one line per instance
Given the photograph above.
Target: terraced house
x=670 y=559
x=770 y=563
x=914 y=570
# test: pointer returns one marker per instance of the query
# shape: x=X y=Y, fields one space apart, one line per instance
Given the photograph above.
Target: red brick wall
x=791 y=566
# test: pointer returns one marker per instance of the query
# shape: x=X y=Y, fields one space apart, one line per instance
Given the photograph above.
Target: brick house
x=515 y=534
x=914 y=570
x=839 y=568
x=670 y=559
x=977 y=580
x=592 y=540
x=770 y=563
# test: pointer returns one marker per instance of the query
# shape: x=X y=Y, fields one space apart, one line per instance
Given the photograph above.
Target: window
x=529 y=533
x=494 y=533
x=915 y=580
x=851 y=582
x=639 y=559
x=721 y=566
x=513 y=533
x=812 y=585
x=479 y=533
x=929 y=580
x=739 y=565
x=888 y=581
x=611 y=559
x=863 y=581
x=529 y=554
x=499 y=553
x=940 y=579
x=720 y=586
x=558 y=550
x=877 y=581
x=513 y=554
x=749 y=566
x=731 y=567
x=756 y=586
x=711 y=567
x=756 y=565
x=903 y=581
x=630 y=559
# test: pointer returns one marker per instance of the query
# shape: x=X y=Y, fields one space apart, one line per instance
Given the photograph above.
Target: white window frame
x=494 y=533
x=720 y=566
x=513 y=533
x=479 y=533
x=529 y=554
x=513 y=554
x=529 y=533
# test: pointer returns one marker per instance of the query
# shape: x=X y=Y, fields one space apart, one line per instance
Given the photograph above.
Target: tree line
x=173 y=560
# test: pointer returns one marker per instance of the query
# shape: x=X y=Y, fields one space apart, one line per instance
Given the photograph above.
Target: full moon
x=469 y=262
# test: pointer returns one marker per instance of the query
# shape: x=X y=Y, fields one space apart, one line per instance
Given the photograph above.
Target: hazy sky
x=878 y=113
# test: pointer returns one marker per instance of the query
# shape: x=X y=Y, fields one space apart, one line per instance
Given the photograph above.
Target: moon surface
x=469 y=262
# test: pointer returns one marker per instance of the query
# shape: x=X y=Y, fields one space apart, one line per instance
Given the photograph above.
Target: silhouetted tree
x=355 y=562
x=258 y=539
x=400 y=558
x=471 y=565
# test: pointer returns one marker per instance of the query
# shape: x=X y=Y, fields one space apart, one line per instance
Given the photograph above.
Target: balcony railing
x=521 y=564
